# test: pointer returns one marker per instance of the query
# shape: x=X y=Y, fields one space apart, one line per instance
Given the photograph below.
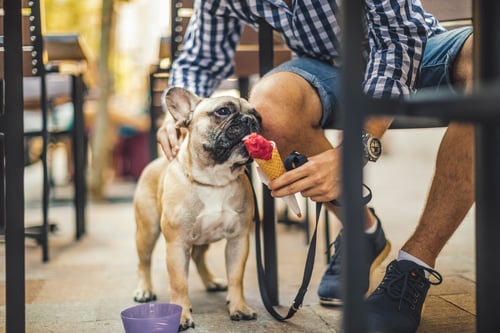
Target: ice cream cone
x=290 y=200
x=273 y=168
x=270 y=165
x=265 y=154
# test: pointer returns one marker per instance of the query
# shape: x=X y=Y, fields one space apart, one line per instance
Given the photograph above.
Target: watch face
x=374 y=148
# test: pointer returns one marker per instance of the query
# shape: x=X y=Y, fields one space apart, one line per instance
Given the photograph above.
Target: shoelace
x=337 y=245
x=407 y=286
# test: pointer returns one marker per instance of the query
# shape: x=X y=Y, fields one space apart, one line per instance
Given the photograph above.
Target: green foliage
x=82 y=16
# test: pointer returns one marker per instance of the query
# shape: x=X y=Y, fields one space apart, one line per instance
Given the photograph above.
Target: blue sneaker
x=330 y=287
x=396 y=305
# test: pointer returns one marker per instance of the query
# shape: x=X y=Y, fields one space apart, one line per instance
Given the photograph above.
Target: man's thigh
x=440 y=54
x=323 y=77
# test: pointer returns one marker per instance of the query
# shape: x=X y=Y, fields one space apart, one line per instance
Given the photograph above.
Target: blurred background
x=121 y=41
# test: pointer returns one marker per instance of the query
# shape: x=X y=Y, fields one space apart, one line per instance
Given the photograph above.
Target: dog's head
x=216 y=125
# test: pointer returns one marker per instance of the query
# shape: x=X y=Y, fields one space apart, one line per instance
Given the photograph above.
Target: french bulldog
x=200 y=197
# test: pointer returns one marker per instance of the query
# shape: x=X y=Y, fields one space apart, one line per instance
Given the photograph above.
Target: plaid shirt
x=397 y=31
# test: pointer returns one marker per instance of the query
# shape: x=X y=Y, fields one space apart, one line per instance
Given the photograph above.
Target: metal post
x=44 y=229
x=351 y=99
x=269 y=221
x=2 y=180
x=487 y=68
x=14 y=168
x=79 y=153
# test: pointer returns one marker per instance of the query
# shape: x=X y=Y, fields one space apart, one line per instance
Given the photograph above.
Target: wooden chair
x=34 y=59
x=38 y=81
x=68 y=56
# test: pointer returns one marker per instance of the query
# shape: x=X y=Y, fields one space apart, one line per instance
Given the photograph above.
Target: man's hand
x=318 y=179
x=170 y=137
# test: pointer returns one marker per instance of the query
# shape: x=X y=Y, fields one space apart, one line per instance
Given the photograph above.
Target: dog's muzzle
x=238 y=130
x=231 y=136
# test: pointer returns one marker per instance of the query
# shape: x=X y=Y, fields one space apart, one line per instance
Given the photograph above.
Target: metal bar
x=351 y=102
x=175 y=28
x=2 y=180
x=487 y=68
x=79 y=154
x=328 y=251
x=14 y=167
x=44 y=230
x=2 y=98
x=269 y=225
x=244 y=86
x=443 y=105
x=487 y=227
x=153 y=143
x=2 y=158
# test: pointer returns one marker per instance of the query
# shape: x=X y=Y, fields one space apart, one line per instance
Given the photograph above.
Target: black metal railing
x=15 y=311
x=481 y=108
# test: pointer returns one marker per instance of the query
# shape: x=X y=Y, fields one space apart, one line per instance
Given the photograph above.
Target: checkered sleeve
x=207 y=50
x=397 y=35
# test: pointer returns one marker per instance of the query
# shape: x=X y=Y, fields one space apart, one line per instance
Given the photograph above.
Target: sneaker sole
x=378 y=260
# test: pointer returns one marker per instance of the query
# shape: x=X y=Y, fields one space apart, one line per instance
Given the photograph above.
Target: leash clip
x=294 y=307
x=294 y=160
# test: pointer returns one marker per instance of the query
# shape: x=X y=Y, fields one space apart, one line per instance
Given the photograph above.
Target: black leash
x=293 y=160
x=266 y=299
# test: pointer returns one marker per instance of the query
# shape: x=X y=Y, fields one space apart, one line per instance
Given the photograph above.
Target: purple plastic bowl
x=152 y=318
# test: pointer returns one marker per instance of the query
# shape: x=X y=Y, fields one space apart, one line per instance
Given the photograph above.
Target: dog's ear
x=181 y=104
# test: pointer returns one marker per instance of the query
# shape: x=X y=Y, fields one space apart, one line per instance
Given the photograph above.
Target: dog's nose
x=250 y=125
x=257 y=115
x=243 y=127
x=253 y=122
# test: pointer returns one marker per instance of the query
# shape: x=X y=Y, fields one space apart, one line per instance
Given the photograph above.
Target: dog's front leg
x=177 y=267
x=146 y=237
x=236 y=257
x=211 y=283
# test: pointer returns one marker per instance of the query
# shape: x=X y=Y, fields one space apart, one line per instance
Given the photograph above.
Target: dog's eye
x=223 y=112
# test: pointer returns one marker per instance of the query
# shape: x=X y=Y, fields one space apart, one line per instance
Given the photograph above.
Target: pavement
x=87 y=283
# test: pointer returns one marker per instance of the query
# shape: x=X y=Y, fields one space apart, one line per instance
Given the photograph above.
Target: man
x=298 y=99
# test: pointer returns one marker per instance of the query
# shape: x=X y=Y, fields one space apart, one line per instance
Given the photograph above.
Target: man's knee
x=285 y=98
x=279 y=90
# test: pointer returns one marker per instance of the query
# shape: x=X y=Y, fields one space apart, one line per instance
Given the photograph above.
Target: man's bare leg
x=396 y=305
x=452 y=191
x=450 y=197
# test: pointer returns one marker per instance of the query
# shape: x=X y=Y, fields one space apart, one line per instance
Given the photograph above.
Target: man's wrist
x=372 y=147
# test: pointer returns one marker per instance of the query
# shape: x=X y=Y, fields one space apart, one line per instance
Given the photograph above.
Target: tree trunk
x=101 y=140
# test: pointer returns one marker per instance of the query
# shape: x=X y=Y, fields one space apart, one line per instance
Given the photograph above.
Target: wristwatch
x=372 y=147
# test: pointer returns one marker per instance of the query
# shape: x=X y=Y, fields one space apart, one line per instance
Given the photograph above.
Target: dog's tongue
x=258 y=146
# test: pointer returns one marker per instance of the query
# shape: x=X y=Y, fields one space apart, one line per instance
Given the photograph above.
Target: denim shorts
x=440 y=53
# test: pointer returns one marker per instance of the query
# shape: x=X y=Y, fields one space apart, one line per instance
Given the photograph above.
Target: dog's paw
x=187 y=323
x=244 y=312
x=144 y=296
x=216 y=285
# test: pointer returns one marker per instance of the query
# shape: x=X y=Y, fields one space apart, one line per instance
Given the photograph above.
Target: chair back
x=34 y=56
x=182 y=10
x=451 y=14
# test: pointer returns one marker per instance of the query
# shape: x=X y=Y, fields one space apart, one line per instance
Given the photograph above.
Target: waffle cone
x=273 y=168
